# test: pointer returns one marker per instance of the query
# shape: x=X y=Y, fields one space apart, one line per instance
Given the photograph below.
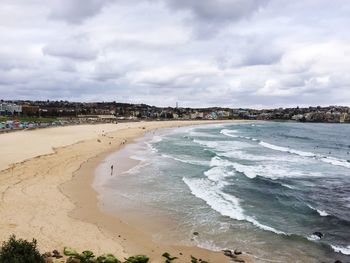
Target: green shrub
x=20 y=251
x=85 y=257
x=137 y=259
x=108 y=258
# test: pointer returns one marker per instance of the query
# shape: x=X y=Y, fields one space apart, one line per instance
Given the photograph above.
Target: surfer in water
x=112 y=169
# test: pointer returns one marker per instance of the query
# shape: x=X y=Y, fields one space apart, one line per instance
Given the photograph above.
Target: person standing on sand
x=112 y=169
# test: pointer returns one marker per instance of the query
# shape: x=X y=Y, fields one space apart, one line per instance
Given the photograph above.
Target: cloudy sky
x=237 y=53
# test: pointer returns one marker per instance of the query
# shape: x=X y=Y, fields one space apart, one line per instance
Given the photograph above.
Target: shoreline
x=132 y=238
x=46 y=188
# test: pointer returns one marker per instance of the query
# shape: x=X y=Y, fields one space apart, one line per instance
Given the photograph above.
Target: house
x=10 y=109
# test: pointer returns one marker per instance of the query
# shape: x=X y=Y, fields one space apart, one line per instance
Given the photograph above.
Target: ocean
x=280 y=191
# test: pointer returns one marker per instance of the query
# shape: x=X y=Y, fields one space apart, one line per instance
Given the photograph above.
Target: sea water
x=263 y=187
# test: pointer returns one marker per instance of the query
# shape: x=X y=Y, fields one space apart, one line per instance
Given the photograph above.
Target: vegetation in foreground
x=22 y=251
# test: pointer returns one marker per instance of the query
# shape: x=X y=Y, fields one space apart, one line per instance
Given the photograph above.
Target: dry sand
x=47 y=193
x=22 y=145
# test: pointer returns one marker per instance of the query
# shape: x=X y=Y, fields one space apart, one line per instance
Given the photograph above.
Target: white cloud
x=200 y=53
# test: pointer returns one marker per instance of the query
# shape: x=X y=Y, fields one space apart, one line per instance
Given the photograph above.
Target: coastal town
x=23 y=114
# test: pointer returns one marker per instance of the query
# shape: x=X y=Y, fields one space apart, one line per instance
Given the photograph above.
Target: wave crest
x=226 y=205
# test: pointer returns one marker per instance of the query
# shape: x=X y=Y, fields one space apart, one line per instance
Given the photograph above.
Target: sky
x=199 y=53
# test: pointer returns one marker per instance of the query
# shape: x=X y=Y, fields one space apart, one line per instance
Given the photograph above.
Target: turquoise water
x=262 y=187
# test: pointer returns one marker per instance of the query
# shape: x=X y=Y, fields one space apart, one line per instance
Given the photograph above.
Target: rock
x=47 y=255
x=195 y=233
x=56 y=254
x=337 y=261
x=318 y=234
x=237 y=252
x=228 y=253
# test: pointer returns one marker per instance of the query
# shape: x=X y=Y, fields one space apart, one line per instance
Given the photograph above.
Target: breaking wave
x=229 y=133
x=285 y=149
x=226 y=205
x=320 y=212
x=326 y=159
x=340 y=249
x=188 y=161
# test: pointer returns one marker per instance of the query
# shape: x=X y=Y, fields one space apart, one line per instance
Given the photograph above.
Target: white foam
x=326 y=159
x=247 y=170
x=313 y=237
x=271 y=170
x=285 y=149
x=288 y=186
x=202 y=134
x=218 y=174
x=151 y=147
x=267 y=170
x=156 y=139
x=217 y=161
x=229 y=133
x=137 y=168
x=343 y=250
x=320 y=212
x=249 y=138
x=212 y=144
x=336 y=161
x=232 y=133
x=242 y=155
x=223 y=146
x=226 y=205
x=188 y=161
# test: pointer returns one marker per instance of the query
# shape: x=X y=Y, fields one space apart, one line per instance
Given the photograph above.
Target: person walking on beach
x=112 y=169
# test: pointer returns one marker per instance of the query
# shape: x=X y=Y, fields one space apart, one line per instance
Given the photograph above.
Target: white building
x=9 y=108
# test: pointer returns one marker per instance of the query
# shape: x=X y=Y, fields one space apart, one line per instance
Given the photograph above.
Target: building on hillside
x=10 y=109
x=224 y=114
x=344 y=117
x=197 y=115
x=97 y=118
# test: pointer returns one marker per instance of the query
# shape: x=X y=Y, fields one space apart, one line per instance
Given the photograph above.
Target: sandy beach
x=46 y=193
